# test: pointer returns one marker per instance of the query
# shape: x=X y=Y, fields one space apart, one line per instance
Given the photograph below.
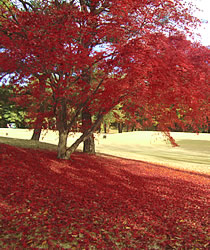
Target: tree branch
x=24 y=3
x=13 y=16
x=82 y=105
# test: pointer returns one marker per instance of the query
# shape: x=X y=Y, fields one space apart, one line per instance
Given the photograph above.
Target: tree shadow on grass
x=24 y=143
x=195 y=145
x=160 y=166
x=100 y=202
x=189 y=153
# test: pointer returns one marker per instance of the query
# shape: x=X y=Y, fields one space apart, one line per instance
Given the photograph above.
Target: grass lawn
x=192 y=154
x=96 y=202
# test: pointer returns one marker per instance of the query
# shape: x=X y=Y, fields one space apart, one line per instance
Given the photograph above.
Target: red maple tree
x=93 y=55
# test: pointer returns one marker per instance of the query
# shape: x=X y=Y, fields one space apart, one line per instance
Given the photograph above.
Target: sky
x=204 y=30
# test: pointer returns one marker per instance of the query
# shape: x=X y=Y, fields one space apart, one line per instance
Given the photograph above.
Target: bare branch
x=26 y=4
x=9 y=9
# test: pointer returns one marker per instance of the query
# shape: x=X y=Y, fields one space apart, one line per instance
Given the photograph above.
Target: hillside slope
x=92 y=202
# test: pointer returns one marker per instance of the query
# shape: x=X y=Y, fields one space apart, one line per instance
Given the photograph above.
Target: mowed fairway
x=193 y=153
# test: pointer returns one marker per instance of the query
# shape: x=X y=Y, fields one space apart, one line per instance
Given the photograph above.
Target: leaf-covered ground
x=95 y=202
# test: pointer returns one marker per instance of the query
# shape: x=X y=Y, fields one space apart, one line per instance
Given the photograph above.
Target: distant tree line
x=116 y=120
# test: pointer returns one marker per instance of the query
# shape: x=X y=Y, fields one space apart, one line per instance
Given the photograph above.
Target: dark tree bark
x=133 y=128
x=88 y=144
x=127 y=128
x=62 y=144
x=36 y=134
x=61 y=120
x=83 y=137
x=99 y=128
x=39 y=121
x=63 y=152
x=120 y=127
x=105 y=127
x=208 y=124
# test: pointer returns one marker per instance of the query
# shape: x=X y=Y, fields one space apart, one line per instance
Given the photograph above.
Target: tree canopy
x=10 y=112
x=93 y=55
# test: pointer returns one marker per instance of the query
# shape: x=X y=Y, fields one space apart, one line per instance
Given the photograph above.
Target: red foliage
x=97 y=54
x=98 y=201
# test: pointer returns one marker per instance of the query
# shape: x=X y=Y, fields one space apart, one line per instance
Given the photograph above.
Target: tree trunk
x=75 y=145
x=133 y=128
x=61 y=121
x=99 y=128
x=36 y=134
x=38 y=126
x=105 y=127
x=88 y=144
x=127 y=128
x=120 y=127
x=63 y=135
x=83 y=137
x=39 y=122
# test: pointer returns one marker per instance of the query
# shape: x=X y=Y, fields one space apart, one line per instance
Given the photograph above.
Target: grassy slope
x=192 y=155
x=25 y=143
x=94 y=202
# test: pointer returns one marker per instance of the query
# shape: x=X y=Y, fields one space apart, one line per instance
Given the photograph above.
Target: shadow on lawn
x=190 y=154
x=24 y=143
x=196 y=145
x=100 y=202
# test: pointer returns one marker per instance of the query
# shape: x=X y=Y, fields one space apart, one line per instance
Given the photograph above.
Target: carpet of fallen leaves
x=98 y=202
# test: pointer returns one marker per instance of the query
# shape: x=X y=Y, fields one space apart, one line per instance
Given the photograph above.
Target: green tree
x=10 y=112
